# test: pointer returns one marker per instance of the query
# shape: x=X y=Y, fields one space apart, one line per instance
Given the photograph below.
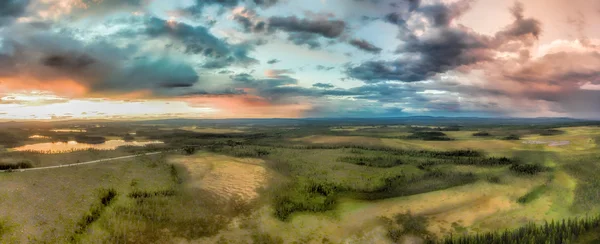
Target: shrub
x=512 y=138
x=19 y=165
x=106 y=197
x=302 y=196
x=481 y=134
x=407 y=223
x=188 y=150
x=530 y=169
x=565 y=231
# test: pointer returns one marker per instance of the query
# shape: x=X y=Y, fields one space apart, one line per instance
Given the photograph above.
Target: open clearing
x=226 y=177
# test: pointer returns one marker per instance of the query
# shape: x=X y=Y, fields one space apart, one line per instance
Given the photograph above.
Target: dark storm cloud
x=325 y=28
x=365 y=46
x=99 y=66
x=521 y=27
x=442 y=47
x=199 y=40
x=443 y=14
x=11 y=9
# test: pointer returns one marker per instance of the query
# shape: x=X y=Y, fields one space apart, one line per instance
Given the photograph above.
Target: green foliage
x=9 y=139
x=373 y=161
x=264 y=238
x=532 y=195
x=481 y=134
x=137 y=194
x=19 y=165
x=587 y=193
x=189 y=150
x=512 y=138
x=304 y=195
x=430 y=136
x=90 y=139
x=407 y=223
x=527 y=169
x=551 y=132
x=4 y=228
x=128 y=137
x=106 y=197
x=566 y=231
x=406 y=185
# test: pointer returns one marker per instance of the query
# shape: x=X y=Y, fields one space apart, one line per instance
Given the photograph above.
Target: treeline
x=430 y=136
x=566 y=231
x=304 y=195
x=403 y=185
x=387 y=161
x=90 y=139
x=373 y=161
x=19 y=165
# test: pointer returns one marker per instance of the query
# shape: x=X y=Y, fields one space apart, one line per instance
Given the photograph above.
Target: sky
x=144 y=59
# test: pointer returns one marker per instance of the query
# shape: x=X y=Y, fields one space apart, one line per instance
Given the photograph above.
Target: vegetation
x=341 y=172
x=105 y=197
x=406 y=223
x=512 y=138
x=530 y=169
x=430 y=136
x=19 y=165
x=90 y=139
x=481 y=134
x=304 y=195
x=565 y=231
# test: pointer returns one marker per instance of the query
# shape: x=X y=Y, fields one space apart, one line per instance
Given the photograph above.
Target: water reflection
x=58 y=147
x=69 y=130
x=38 y=137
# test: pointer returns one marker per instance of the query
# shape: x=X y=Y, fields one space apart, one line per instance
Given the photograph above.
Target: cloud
x=273 y=61
x=198 y=8
x=323 y=85
x=325 y=28
x=99 y=67
x=365 y=46
x=442 y=46
x=199 y=40
x=11 y=9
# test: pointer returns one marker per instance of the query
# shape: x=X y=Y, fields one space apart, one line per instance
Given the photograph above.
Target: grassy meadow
x=306 y=184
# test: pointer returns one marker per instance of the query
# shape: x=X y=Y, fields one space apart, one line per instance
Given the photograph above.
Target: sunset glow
x=73 y=59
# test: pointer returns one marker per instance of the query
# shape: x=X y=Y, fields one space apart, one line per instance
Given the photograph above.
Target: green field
x=303 y=184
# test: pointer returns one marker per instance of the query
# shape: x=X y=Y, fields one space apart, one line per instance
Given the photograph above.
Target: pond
x=59 y=147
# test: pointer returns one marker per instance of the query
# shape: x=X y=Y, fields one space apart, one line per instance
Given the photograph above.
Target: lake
x=58 y=147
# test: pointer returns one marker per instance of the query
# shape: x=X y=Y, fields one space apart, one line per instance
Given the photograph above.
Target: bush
x=90 y=139
x=530 y=169
x=188 y=150
x=106 y=197
x=302 y=196
x=374 y=161
x=407 y=223
x=430 y=136
x=19 y=165
x=566 y=231
x=481 y=134
x=512 y=138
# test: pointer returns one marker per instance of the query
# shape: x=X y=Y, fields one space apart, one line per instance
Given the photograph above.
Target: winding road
x=83 y=163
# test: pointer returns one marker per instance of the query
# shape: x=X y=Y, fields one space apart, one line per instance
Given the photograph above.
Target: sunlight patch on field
x=227 y=177
x=463 y=205
x=339 y=139
x=210 y=130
